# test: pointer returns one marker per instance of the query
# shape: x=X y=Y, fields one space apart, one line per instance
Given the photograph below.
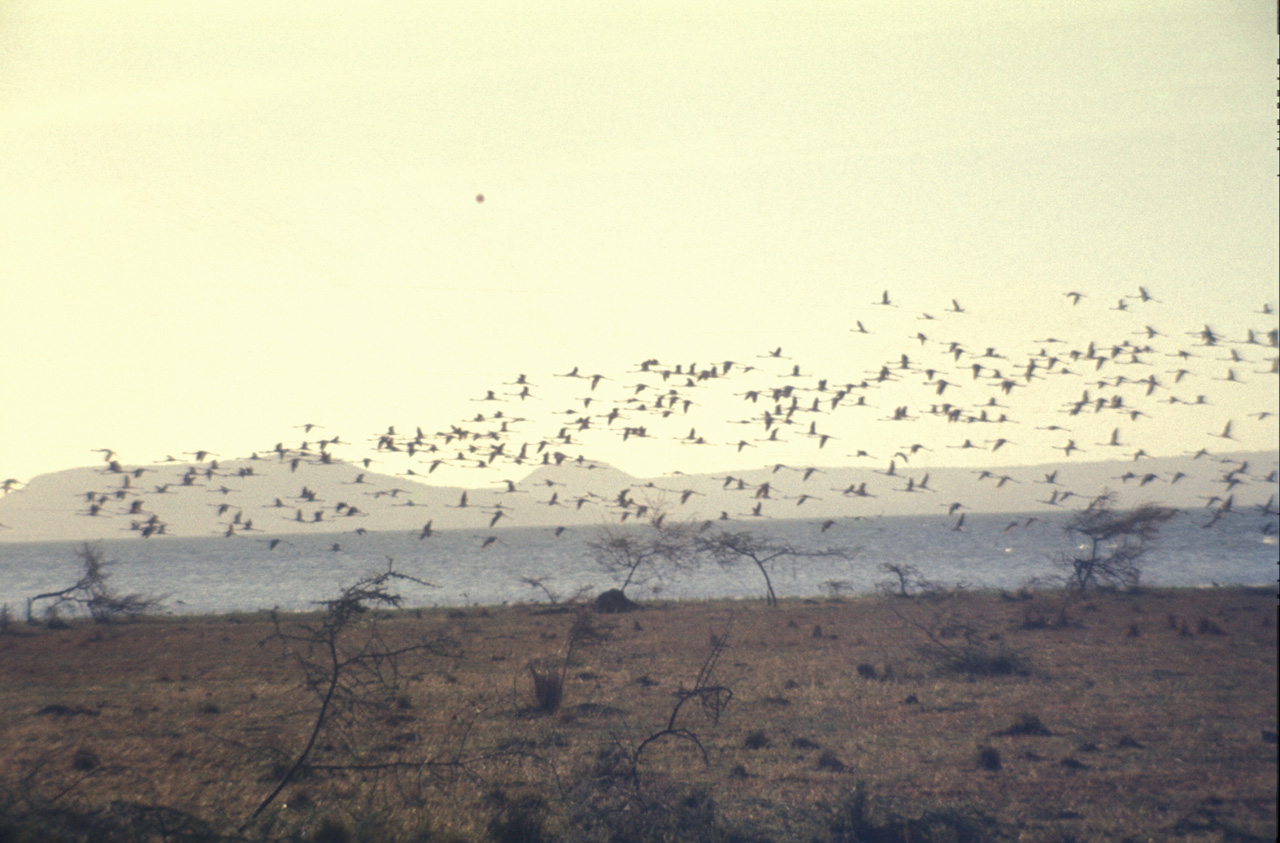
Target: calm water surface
x=242 y=574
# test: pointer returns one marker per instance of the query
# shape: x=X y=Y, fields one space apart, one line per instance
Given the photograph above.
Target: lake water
x=217 y=575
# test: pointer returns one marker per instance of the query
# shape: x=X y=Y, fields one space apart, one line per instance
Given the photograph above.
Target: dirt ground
x=1035 y=716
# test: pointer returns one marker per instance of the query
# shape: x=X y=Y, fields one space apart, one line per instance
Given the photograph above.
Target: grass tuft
x=548 y=684
x=831 y=762
x=1209 y=627
x=519 y=820
x=983 y=659
x=85 y=760
x=1026 y=724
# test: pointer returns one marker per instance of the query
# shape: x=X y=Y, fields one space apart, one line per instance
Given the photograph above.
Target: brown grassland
x=1033 y=716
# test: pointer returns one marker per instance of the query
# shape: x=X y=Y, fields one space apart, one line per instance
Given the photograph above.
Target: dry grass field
x=1146 y=716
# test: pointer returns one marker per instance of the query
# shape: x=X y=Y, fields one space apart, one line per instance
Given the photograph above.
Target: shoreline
x=568 y=606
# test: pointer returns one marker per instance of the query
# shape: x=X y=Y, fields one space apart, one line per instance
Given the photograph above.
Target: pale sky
x=223 y=220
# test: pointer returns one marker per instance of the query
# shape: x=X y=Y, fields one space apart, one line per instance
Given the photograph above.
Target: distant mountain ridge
x=267 y=497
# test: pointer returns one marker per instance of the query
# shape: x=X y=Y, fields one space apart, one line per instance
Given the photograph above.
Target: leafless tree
x=638 y=553
x=1115 y=541
x=907 y=581
x=730 y=548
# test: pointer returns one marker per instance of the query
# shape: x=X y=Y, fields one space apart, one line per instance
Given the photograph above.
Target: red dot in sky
x=480 y=197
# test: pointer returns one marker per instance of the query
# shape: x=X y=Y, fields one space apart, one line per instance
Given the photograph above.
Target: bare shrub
x=621 y=761
x=359 y=672
x=836 y=589
x=91 y=594
x=956 y=645
x=907 y=581
x=978 y=657
x=612 y=801
x=710 y=695
x=540 y=584
x=553 y=597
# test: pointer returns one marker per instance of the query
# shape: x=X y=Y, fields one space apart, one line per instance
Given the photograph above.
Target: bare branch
x=358 y=673
x=638 y=553
x=714 y=698
x=729 y=548
x=92 y=594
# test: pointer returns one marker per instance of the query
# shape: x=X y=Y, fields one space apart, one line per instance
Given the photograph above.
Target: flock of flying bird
x=913 y=399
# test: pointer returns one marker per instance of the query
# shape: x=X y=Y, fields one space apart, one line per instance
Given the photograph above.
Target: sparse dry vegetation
x=90 y=595
x=639 y=553
x=178 y=728
x=731 y=547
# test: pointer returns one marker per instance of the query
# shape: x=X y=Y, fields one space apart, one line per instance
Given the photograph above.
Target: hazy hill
x=287 y=497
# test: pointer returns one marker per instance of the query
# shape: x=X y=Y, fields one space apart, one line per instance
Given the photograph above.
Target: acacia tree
x=730 y=548
x=908 y=580
x=1115 y=541
x=637 y=553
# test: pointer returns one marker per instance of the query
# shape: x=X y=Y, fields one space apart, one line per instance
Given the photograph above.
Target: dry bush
x=856 y=818
x=956 y=643
x=359 y=674
x=91 y=594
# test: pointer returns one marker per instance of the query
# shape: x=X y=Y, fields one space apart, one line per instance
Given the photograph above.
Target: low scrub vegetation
x=91 y=595
x=938 y=717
